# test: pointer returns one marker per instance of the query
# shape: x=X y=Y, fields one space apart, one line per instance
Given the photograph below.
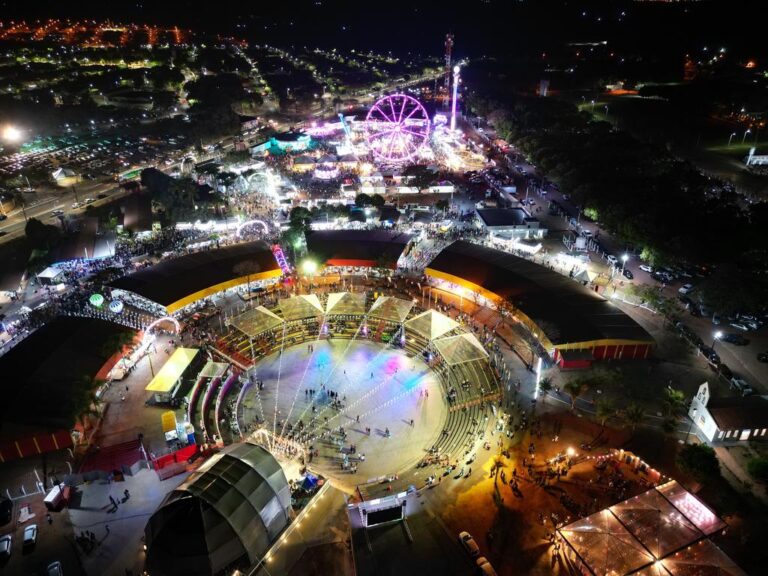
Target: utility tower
x=448 y=68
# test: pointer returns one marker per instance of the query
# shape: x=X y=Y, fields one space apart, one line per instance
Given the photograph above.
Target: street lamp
x=731 y=137
x=11 y=134
x=624 y=259
x=745 y=135
x=717 y=335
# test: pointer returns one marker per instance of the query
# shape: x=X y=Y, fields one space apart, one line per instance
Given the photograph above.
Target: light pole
x=744 y=138
x=11 y=134
x=624 y=259
x=592 y=102
x=716 y=336
x=731 y=137
x=309 y=267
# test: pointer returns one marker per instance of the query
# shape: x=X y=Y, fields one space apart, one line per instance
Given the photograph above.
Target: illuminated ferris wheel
x=397 y=126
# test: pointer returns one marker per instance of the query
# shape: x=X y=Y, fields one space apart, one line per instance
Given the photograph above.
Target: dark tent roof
x=563 y=309
x=493 y=217
x=40 y=375
x=357 y=247
x=225 y=515
x=172 y=281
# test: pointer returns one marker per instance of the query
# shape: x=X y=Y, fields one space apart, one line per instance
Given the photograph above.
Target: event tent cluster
x=430 y=327
x=663 y=531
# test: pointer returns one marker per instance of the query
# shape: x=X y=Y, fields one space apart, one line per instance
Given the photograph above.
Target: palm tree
x=545 y=385
x=674 y=403
x=575 y=388
x=634 y=415
x=604 y=410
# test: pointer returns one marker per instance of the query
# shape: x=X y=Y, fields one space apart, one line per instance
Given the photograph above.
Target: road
x=741 y=359
x=45 y=202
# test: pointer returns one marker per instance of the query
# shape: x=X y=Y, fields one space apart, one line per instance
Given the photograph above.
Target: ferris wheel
x=397 y=126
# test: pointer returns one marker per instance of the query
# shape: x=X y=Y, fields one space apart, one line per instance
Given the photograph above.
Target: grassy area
x=700 y=139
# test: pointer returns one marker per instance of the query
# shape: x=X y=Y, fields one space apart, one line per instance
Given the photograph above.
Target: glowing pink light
x=397 y=127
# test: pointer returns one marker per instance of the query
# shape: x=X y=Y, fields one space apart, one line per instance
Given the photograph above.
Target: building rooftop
x=493 y=217
x=176 y=282
x=357 y=247
x=737 y=413
x=50 y=367
x=566 y=311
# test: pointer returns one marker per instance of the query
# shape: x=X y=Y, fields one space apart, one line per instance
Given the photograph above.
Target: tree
x=575 y=388
x=362 y=200
x=116 y=341
x=758 y=468
x=41 y=236
x=377 y=201
x=545 y=385
x=700 y=461
x=674 y=403
x=442 y=204
x=300 y=218
x=634 y=415
x=605 y=409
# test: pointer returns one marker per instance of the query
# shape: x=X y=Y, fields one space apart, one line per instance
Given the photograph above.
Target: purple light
x=397 y=127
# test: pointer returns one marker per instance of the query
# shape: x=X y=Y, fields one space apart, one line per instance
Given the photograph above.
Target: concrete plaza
x=381 y=385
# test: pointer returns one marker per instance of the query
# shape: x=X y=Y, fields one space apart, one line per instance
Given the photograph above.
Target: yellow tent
x=169 y=374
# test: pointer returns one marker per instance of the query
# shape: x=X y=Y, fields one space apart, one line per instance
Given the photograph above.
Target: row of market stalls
x=346 y=314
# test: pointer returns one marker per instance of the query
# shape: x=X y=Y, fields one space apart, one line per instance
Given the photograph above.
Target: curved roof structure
x=226 y=514
x=564 y=310
x=177 y=282
x=391 y=309
x=357 y=247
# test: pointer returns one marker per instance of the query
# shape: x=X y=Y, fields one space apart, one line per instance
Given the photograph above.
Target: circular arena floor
x=379 y=384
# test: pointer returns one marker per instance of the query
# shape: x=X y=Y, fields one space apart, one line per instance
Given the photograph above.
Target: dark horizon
x=481 y=27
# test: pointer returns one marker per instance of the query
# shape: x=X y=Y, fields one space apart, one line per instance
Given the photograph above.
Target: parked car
x=740 y=385
x=740 y=326
x=709 y=353
x=469 y=544
x=736 y=339
x=30 y=535
x=5 y=546
x=612 y=259
x=762 y=357
x=725 y=372
x=646 y=268
x=628 y=274
x=484 y=568
x=685 y=289
x=54 y=569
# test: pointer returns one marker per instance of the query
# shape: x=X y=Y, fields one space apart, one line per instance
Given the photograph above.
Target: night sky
x=481 y=26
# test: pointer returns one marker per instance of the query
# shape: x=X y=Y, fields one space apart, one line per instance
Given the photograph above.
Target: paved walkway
x=119 y=533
